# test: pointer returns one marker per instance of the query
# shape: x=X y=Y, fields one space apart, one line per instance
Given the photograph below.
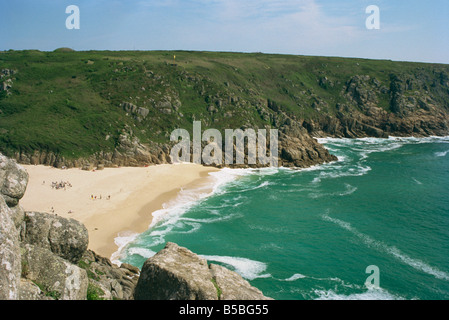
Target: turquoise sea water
x=311 y=234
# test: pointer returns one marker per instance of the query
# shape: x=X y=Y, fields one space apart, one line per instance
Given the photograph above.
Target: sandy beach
x=113 y=201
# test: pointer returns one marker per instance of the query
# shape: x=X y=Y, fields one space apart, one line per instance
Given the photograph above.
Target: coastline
x=113 y=201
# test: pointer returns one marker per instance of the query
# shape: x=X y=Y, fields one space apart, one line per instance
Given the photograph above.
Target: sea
x=373 y=225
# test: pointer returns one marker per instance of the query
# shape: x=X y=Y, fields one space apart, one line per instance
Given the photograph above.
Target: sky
x=409 y=30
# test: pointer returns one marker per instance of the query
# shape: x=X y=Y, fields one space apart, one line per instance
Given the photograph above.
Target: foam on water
x=348 y=191
x=169 y=217
x=143 y=252
x=122 y=241
x=295 y=277
x=371 y=294
x=441 y=154
x=248 y=269
x=356 y=171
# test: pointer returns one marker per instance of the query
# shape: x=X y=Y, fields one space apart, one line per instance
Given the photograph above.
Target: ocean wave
x=269 y=171
x=418 y=140
x=170 y=219
x=356 y=171
x=379 y=144
x=341 y=282
x=349 y=190
x=441 y=154
x=248 y=269
x=186 y=199
x=262 y=185
x=392 y=251
x=295 y=277
x=371 y=294
x=364 y=153
x=219 y=218
x=373 y=140
x=227 y=175
x=143 y=252
x=122 y=240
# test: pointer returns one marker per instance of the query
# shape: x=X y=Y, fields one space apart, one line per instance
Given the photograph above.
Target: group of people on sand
x=92 y=197
x=60 y=185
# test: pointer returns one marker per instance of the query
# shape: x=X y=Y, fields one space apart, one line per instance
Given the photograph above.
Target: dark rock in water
x=176 y=273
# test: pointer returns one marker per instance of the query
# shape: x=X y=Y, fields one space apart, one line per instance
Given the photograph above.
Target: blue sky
x=410 y=30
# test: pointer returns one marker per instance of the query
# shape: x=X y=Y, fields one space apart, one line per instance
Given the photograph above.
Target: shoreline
x=112 y=201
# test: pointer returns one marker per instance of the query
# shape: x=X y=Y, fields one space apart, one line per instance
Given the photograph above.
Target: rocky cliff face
x=416 y=107
x=45 y=257
x=130 y=152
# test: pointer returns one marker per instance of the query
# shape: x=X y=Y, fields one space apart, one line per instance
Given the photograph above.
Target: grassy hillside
x=72 y=103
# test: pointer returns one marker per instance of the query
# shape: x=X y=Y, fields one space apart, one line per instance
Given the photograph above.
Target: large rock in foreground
x=13 y=181
x=10 y=263
x=66 y=238
x=58 y=277
x=176 y=273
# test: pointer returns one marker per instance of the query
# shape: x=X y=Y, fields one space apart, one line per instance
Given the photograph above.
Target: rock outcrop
x=176 y=273
x=10 y=259
x=66 y=238
x=6 y=80
x=298 y=149
x=129 y=152
x=13 y=181
x=108 y=281
x=138 y=112
x=55 y=276
x=416 y=107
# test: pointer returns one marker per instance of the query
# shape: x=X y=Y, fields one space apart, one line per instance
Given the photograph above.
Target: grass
x=68 y=102
x=94 y=292
x=219 y=292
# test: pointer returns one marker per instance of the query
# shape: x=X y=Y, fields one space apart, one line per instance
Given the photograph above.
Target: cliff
x=95 y=109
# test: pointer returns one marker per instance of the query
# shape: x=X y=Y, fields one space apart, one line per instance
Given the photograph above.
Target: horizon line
x=222 y=51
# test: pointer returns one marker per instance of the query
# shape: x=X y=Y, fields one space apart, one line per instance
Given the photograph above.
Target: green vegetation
x=48 y=293
x=94 y=292
x=70 y=102
x=219 y=292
